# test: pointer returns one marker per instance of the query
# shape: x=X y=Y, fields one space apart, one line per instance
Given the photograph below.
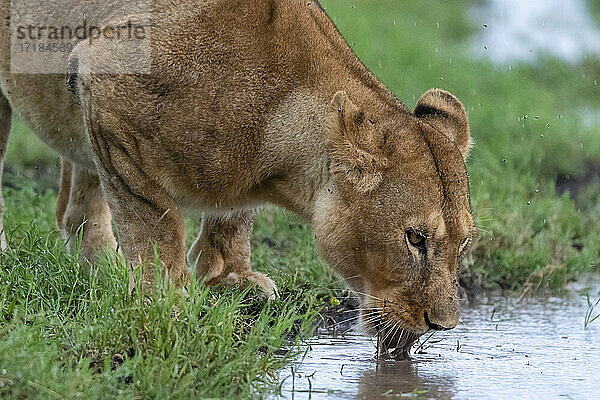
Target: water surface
x=503 y=348
x=521 y=31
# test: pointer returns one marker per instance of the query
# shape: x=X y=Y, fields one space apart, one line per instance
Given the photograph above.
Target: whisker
x=367 y=315
x=381 y=341
x=360 y=309
x=392 y=331
x=346 y=320
x=484 y=230
x=343 y=258
x=364 y=323
x=372 y=318
x=387 y=326
x=371 y=296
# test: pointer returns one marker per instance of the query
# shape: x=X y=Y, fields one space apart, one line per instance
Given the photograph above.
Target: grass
x=64 y=334
x=591 y=314
x=68 y=334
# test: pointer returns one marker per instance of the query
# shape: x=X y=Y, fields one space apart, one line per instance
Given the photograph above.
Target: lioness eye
x=416 y=239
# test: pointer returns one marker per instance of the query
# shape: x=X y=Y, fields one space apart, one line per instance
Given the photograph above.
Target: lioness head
x=398 y=218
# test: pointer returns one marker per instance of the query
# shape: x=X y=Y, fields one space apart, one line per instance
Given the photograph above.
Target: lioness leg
x=146 y=216
x=64 y=192
x=5 y=122
x=221 y=251
x=81 y=207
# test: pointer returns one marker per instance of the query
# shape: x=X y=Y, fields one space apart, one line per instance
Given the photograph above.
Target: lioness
x=250 y=102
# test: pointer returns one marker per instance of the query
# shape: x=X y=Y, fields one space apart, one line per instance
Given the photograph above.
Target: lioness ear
x=349 y=147
x=447 y=114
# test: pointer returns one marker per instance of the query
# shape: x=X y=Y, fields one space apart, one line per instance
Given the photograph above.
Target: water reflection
x=393 y=378
x=502 y=349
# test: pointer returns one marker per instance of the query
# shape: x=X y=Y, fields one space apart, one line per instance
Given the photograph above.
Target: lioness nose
x=440 y=324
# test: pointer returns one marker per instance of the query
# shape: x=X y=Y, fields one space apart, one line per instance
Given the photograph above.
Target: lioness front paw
x=264 y=283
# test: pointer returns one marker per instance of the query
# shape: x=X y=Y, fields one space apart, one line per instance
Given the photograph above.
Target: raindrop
x=504 y=160
x=542 y=136
x=528 y=203
x=485 y=25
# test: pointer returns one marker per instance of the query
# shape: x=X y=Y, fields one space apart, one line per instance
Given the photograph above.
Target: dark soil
x=340 y=318
x=576 y=184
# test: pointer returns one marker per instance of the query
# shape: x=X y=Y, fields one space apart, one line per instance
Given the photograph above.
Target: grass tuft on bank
x=68 y=334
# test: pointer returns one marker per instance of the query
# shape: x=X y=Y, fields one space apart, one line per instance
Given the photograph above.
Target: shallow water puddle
x=519 y=31
x=502 y=349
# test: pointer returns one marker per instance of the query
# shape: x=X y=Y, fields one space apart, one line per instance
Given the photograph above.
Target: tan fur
x=253 y=102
